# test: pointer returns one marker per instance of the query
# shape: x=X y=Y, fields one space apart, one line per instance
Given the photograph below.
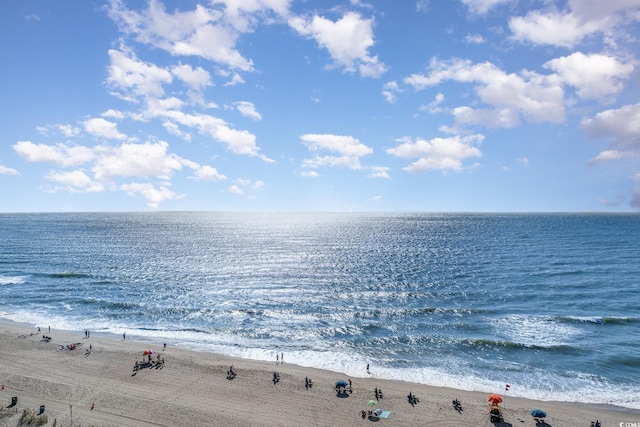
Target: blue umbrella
x=342 y=383
x=538 y=413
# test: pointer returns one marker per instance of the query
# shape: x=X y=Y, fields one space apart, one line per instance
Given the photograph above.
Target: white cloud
x=131 y=78
x=445 y=154
x=390 y=91
x=208 y=173
x=197 y=79
x=584 y=18
x=347 y=40
x=349 y=151
x=556 y=29
x=247 y=109
x=235 y=190
x=621 y=126
x=60 y=154
x=379 y=172
x=474 y=39
x=527 y=95
x=75 y=181
x=434 y=106
x=140 y=160
x=68 y=130
x=153 y=196
x=596 y=76
x=114 y=114
x=481 y=7
x=4 y=170
x=102 y=128
x=239 y=142
x=203 y=32
x=611 y=9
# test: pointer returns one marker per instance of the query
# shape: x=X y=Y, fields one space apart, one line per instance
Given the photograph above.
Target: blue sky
x=320 y=105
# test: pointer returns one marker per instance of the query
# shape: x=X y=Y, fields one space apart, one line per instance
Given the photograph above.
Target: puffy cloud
x=474 y=39
x=348 y=149
x=235 y=190
x=434 y=106
x=481 y=7
x=109 y=164
x=208 y=173
x=140 y=160
x=239 y=142
x=445 y=154
x=247 y=109
x=567 y=28
x=347 y=40
x=527 y=95
x=379 y=172
x=102 y=128
x=5 y=170
x=61 y=154
x=154 y=196
x=550 y=28
x=131 y=78
x=203 y=32
x=621 y=126
x=197 y=79
x=75 y=181
x=390 y=91
x=595 y=76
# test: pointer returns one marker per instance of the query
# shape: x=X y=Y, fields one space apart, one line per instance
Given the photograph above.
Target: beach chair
x=495 y=416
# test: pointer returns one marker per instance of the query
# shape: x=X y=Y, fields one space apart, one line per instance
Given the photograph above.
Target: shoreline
x=191 y=388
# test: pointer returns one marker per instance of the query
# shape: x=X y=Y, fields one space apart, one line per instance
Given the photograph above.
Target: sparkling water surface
x=547 y=303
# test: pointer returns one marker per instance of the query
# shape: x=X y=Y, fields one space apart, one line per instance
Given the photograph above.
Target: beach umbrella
x=372 y=403
x=342 y=383
x=494 y=399
x=538 y=413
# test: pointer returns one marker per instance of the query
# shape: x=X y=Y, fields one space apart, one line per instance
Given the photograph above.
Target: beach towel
x=384 y=414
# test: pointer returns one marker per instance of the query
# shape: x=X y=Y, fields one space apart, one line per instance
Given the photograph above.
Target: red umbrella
x=494 y=399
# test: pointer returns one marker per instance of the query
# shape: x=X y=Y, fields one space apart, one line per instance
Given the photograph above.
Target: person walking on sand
x=368 y=369
x=164 y=347
x=277 y=358
x=124 y=336
x=282 y=358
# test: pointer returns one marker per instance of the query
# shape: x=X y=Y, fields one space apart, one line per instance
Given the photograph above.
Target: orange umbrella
x=494 y=399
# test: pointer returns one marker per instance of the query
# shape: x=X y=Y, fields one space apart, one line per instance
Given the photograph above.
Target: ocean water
x=547 y=303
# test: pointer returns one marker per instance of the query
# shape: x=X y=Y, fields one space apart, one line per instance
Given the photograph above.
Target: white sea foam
x=12 y=280
x=542 y=331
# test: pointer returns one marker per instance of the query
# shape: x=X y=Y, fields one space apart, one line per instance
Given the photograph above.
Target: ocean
x=547 y=303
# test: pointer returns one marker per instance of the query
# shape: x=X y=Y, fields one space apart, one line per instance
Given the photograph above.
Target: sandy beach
x=94 y=384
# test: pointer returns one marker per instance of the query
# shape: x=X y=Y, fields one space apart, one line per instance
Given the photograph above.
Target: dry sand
x=192 y=389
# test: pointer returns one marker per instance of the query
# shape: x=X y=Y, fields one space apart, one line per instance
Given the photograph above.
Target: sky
x=320 y=105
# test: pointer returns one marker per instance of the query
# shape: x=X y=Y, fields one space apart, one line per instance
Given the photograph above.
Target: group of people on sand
x=159 y=363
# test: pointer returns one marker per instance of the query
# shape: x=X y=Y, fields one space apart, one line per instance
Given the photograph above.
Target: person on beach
x=277 y=358
x=281 y=358
x=164 y=347
x=368 y=369
x=124 y=336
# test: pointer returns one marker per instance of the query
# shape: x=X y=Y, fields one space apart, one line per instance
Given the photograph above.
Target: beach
x=94 y=384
